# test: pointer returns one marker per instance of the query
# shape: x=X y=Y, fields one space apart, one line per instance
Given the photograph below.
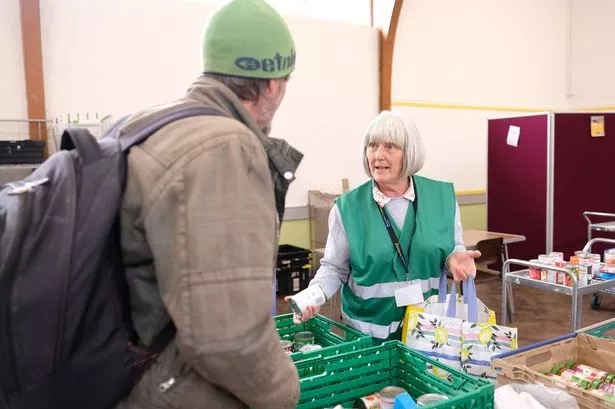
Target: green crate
x=334 y=337
x=344 y=378
x=605 y=329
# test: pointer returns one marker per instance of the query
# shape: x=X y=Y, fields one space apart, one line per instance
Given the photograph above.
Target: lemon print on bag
x=465 y=353
x=413 y=321
x=514 y=344
x=484 y=336
x=440 y=335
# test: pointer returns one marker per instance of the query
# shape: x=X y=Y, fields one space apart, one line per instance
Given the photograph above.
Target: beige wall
x=12 y=80
x=330 y=99
x=592 y=59
x=457 y=63
x=297 y=232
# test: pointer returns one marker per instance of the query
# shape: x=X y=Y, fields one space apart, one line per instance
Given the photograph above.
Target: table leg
x=504 y=311
x=511 y=302
x=577 y=307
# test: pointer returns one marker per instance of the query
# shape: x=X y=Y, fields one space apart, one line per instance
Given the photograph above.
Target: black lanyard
x=393 y=236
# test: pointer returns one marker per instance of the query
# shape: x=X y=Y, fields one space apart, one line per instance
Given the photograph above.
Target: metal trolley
x=608 y=226
x=521 y=277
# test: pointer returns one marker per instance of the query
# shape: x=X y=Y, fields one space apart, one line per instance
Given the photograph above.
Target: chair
x=492 y=252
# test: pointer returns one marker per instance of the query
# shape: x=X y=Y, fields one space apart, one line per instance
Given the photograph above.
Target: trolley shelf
x=608 y=226
x=604 y=226
x=521 y=277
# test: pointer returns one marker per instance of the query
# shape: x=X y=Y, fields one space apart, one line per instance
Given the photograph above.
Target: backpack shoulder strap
x=166 y=335
x=83 y=142
x=141 y=134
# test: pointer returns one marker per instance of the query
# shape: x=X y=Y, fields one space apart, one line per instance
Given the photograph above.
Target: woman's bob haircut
x=389 y=127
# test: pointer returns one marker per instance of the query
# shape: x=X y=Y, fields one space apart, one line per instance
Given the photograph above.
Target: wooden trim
x=371 y=13
x=443 y=105
x=387 y=45
x=33 y=66
x=471 y=192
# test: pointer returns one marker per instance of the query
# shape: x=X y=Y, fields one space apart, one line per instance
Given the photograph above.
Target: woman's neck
x=394 y=189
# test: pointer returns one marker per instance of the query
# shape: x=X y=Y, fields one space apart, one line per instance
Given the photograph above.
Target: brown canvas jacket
x=199 y=235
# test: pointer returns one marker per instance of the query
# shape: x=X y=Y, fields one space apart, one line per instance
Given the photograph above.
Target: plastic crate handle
x=388 y=348
x=311 y=363
x=327 y=325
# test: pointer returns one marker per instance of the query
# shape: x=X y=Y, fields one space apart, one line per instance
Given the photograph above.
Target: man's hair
x=246 y=89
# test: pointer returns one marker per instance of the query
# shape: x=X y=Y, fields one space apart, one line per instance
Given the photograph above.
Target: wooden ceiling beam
x=33 y=67
x=387 y=24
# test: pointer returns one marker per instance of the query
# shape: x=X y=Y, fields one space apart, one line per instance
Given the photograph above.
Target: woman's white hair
x=389 y=127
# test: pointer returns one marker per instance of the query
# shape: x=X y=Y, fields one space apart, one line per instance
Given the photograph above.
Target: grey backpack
x=66 y=340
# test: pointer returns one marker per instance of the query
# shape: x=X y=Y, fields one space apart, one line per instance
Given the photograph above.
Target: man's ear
x=272 y=88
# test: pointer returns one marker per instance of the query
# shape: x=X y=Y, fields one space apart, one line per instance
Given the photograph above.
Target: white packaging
x=313 y=296
x=583 y=275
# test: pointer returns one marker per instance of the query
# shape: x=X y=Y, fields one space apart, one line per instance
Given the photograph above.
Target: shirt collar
x=382 y=200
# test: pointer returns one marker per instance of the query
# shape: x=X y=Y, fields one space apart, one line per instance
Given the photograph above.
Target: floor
x=539 y=315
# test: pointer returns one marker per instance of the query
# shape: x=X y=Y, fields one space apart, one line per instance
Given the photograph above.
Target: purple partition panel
x=517 y=183
x=584 y=169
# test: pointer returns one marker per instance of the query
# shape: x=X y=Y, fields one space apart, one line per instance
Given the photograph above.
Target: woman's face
x=385 y=162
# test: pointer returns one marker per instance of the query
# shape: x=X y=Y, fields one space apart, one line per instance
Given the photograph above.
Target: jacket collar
x=283 y=158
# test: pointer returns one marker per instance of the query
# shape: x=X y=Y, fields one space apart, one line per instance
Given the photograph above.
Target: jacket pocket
x=170 y=383
x=164 y=384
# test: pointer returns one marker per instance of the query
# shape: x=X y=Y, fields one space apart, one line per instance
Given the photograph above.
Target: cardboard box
x=320 y=204
x=528 y=364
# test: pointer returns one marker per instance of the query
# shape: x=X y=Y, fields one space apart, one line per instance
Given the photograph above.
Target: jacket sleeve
x=213 y=234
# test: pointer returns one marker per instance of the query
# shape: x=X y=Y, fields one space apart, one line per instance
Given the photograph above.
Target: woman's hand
x=461 y=264
x=309 y=312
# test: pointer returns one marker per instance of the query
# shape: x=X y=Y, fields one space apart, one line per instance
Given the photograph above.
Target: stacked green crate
x=346 y=377
x=333 y=337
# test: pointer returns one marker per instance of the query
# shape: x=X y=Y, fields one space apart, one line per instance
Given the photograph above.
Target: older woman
x=391 y=237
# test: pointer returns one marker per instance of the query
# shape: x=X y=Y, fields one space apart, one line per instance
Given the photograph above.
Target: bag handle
x=451 y=310
x=442 y=287
x=469 y=298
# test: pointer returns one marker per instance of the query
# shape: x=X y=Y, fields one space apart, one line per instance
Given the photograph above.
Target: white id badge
x=409 y=294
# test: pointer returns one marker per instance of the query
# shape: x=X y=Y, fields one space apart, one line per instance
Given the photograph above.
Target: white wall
x=12 y=81
x=117 y=56
x=332 y=96
x=113 y=57
x=120 y=55
x=478 y=54
x=592 y=62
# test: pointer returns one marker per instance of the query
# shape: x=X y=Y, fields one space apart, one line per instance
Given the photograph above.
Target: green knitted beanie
x=248 y=38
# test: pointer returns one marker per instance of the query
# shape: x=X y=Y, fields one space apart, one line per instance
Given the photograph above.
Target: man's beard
x=265 y=128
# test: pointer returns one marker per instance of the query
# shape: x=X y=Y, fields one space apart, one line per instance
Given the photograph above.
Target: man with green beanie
x=200 y=222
